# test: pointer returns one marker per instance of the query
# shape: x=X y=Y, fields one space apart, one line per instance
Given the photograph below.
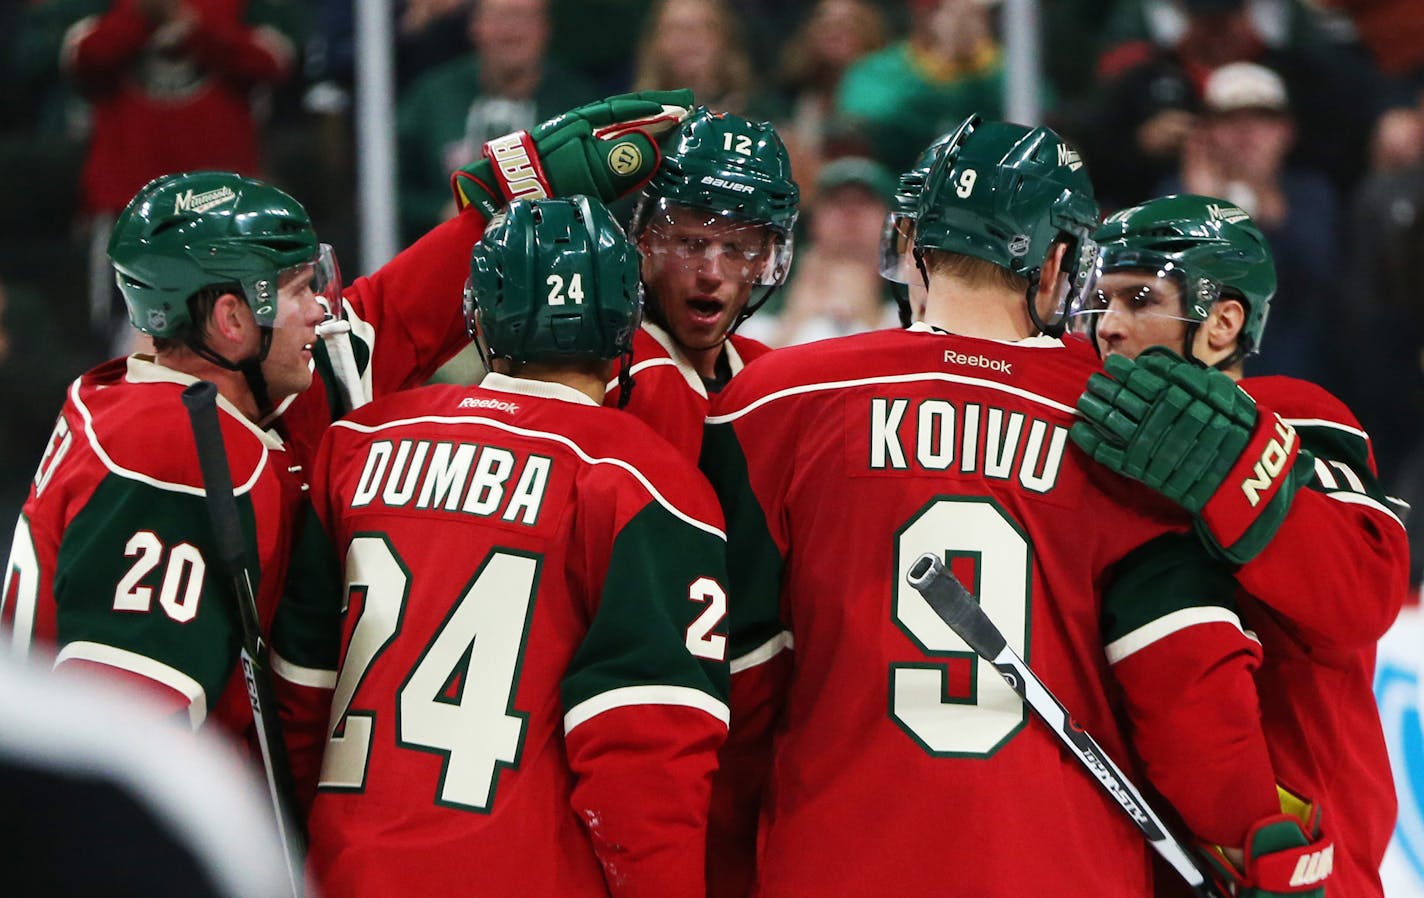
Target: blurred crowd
x=1309 y=114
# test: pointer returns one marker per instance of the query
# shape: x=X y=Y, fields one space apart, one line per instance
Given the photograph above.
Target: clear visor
x=700 y=240
x=325 y=279
x=897 y=242
x=1147 y=292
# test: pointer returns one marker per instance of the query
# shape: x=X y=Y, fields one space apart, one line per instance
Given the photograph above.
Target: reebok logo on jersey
x=498 y=405
x=202 y=202
x=978 y=361
x=714 y=181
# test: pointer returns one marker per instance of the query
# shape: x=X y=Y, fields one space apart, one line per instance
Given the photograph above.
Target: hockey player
x=714 y=226
x=841 y=462
x=112 y=559
x=533 y=684
x=1194 y=274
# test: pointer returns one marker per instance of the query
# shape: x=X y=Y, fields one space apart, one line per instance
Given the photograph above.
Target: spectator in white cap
x=1240 y=150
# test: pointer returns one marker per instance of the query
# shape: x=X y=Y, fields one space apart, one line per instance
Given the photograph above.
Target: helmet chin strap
x=625 y=377
x=1031 y=298
x=250 y=368
x=752 y=305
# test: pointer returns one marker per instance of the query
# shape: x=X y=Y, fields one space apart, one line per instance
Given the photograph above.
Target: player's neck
x=592 y=383
x=704 y=361
x=231 y=385
x=989 y=312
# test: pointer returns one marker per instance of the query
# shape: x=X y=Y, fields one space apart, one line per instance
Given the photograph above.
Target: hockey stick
x=201 y=401
x=957 y=607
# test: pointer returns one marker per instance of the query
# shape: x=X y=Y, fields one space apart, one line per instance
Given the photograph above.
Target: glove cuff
x=518 y=173
x=1254 y=481
x=472 y=186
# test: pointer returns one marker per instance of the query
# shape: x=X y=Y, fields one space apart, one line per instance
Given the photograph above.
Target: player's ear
x=230 y=320
x=1052 y=268
x=1223 y=325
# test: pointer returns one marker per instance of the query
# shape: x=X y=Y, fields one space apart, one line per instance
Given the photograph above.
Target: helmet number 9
x=556 y=289
x=743 y=143
x=966 y=183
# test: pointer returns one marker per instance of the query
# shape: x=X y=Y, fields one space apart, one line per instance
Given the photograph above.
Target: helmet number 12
x=556 y=289
x=737 y=143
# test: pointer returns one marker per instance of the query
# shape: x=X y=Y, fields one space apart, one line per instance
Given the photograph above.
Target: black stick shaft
x=201 y=401
x=956 y=606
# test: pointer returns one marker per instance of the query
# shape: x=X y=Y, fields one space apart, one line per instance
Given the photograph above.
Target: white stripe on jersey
x=763 y=653
x=628 y=696
x=649 y=363
x=1168 y=624
x=109 y=463
x=144 y=666
x=315 y=677
x=1351 y=498
x=540 y=435
x=1322 y=422
x=893 y=379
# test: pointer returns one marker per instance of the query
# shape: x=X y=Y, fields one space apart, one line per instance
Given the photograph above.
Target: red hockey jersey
x=668 y=393
x=839 y=463
x=405 y=321
x=1320 y=596
x=112 y=562
x=533 y=679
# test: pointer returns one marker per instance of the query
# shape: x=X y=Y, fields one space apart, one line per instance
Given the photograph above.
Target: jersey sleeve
x=139 y=589
x=305 y=650
x=1186 y=668
x=645 y=704
x=760 y=660
x=1338 y=567
x=407 y=319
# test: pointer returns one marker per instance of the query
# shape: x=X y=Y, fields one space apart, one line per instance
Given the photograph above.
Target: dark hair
x=200 y=310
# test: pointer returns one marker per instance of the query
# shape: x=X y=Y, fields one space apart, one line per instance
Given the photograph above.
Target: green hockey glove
x=604 y=149
x=1193 y=435
x=1287 y=855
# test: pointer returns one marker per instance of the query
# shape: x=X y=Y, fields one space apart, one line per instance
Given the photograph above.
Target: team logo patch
x=157 y=319
x=202 y=202
x=625 y=159
x=1018 y=246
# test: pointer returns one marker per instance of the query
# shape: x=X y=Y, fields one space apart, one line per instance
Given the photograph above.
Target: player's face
x=1134 y=310
x=699 y=269
x=288 y=366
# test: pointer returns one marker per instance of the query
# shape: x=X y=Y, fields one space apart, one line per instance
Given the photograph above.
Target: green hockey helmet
x=1004 y=193
x=1207 y=246
x=552 y=280
x=737 y=170
x=898 y=235
x=183 y=233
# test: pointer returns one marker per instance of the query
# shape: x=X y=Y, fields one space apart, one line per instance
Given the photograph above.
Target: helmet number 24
x=556 y=289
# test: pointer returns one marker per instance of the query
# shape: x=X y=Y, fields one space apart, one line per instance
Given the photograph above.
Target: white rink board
x=1399 y=689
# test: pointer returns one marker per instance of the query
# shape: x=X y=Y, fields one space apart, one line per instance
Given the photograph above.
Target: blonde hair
x=973 y=271
x=735 y=69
